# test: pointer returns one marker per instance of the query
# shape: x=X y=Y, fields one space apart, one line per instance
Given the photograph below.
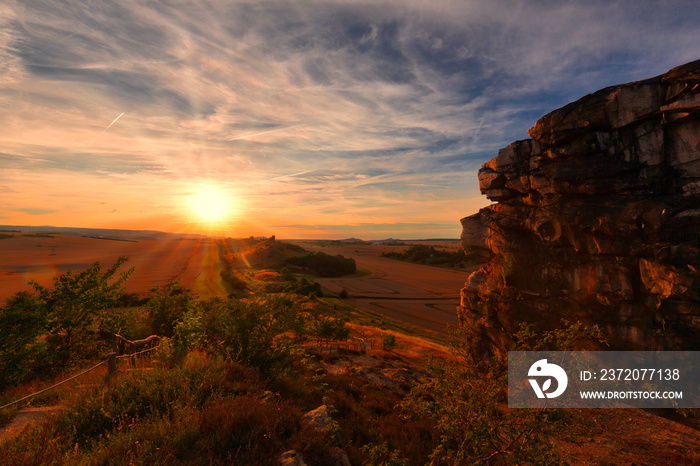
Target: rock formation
x=597 y=219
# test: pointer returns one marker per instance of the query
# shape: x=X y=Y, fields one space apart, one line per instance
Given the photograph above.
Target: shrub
x=167 y=305
x=465 y=395
x=203 y=409
x=379 y=455
x=286 y=275
x=305 y=288
x=259 y=332
x=232 y=282
x=335 y=329
x=389 y=343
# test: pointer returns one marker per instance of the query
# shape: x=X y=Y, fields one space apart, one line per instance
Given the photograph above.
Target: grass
x=207 y=411
x=208 y=283
x=204 y=405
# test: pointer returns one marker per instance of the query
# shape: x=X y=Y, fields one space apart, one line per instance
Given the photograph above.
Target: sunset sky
x=297 y=118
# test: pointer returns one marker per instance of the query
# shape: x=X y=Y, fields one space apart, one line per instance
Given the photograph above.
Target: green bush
x=232 y=282
x=303 y=287
x=259 y=331
x=167 y=305
x=465 y=395
x=335 y=329
x=286 y=275
x=388 y=342
x=380 y=455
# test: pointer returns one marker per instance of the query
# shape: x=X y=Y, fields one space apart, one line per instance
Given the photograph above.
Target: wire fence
x=111 y=364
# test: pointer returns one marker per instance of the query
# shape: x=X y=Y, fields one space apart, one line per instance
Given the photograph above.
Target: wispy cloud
x=248 y=136
x=401 y=102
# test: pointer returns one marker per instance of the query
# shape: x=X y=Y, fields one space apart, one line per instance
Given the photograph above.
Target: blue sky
x=312 y=119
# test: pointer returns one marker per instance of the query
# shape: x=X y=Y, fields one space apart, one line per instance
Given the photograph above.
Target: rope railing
x=111 y=362
x=136 y=354
x=56 y=385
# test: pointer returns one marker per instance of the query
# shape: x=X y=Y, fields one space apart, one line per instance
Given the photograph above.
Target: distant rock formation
x=597 y=220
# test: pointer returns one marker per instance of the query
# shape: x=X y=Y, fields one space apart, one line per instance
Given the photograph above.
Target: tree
x=77 y=297
x=21 y=322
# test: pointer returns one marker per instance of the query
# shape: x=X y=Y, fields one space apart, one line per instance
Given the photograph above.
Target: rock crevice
x=597 y=219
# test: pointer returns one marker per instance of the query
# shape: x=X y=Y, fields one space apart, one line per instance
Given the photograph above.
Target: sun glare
x=210 y=205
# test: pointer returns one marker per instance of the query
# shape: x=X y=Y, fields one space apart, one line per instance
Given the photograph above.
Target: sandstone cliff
x=597 y=219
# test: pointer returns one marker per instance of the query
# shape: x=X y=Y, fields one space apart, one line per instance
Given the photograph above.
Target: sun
x=210 y=205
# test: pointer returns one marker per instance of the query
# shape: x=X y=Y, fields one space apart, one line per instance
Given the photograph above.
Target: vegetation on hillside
x=278 y=256
x=324 y=265
x=467 y=395
x=430 y=255
x=232 y=379
x=201 y=402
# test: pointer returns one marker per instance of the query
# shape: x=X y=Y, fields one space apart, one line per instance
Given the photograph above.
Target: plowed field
x=156 y=261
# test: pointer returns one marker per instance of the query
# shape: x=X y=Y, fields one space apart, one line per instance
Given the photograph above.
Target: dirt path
x=26 y=418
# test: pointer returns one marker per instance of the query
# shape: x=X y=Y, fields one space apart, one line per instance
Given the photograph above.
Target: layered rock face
x=597 y=220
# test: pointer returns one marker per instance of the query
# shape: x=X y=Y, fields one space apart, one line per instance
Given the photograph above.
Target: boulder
x=319 y=418
x=291 y=458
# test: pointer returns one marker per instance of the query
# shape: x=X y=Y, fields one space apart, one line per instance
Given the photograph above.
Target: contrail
x=294 y=174
x=264 y=132
x=103 y=131
x=115 y=120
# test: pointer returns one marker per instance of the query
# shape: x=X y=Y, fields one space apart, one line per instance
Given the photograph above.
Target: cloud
x=334 y=108
x=37 y=211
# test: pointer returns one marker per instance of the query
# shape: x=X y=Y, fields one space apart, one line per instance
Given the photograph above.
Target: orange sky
x=364 y=120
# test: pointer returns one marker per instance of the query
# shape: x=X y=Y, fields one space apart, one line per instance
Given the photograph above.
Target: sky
x=303 y=119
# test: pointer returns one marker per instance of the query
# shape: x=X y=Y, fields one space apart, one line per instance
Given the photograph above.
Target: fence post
x=111 y=364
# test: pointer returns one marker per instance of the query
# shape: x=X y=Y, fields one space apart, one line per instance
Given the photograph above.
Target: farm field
x=156 y=260
x=420 y=295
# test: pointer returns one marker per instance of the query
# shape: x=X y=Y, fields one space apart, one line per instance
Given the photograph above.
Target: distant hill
x=91 y=232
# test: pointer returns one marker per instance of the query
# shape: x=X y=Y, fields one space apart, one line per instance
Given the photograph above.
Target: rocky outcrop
x=597 y=219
